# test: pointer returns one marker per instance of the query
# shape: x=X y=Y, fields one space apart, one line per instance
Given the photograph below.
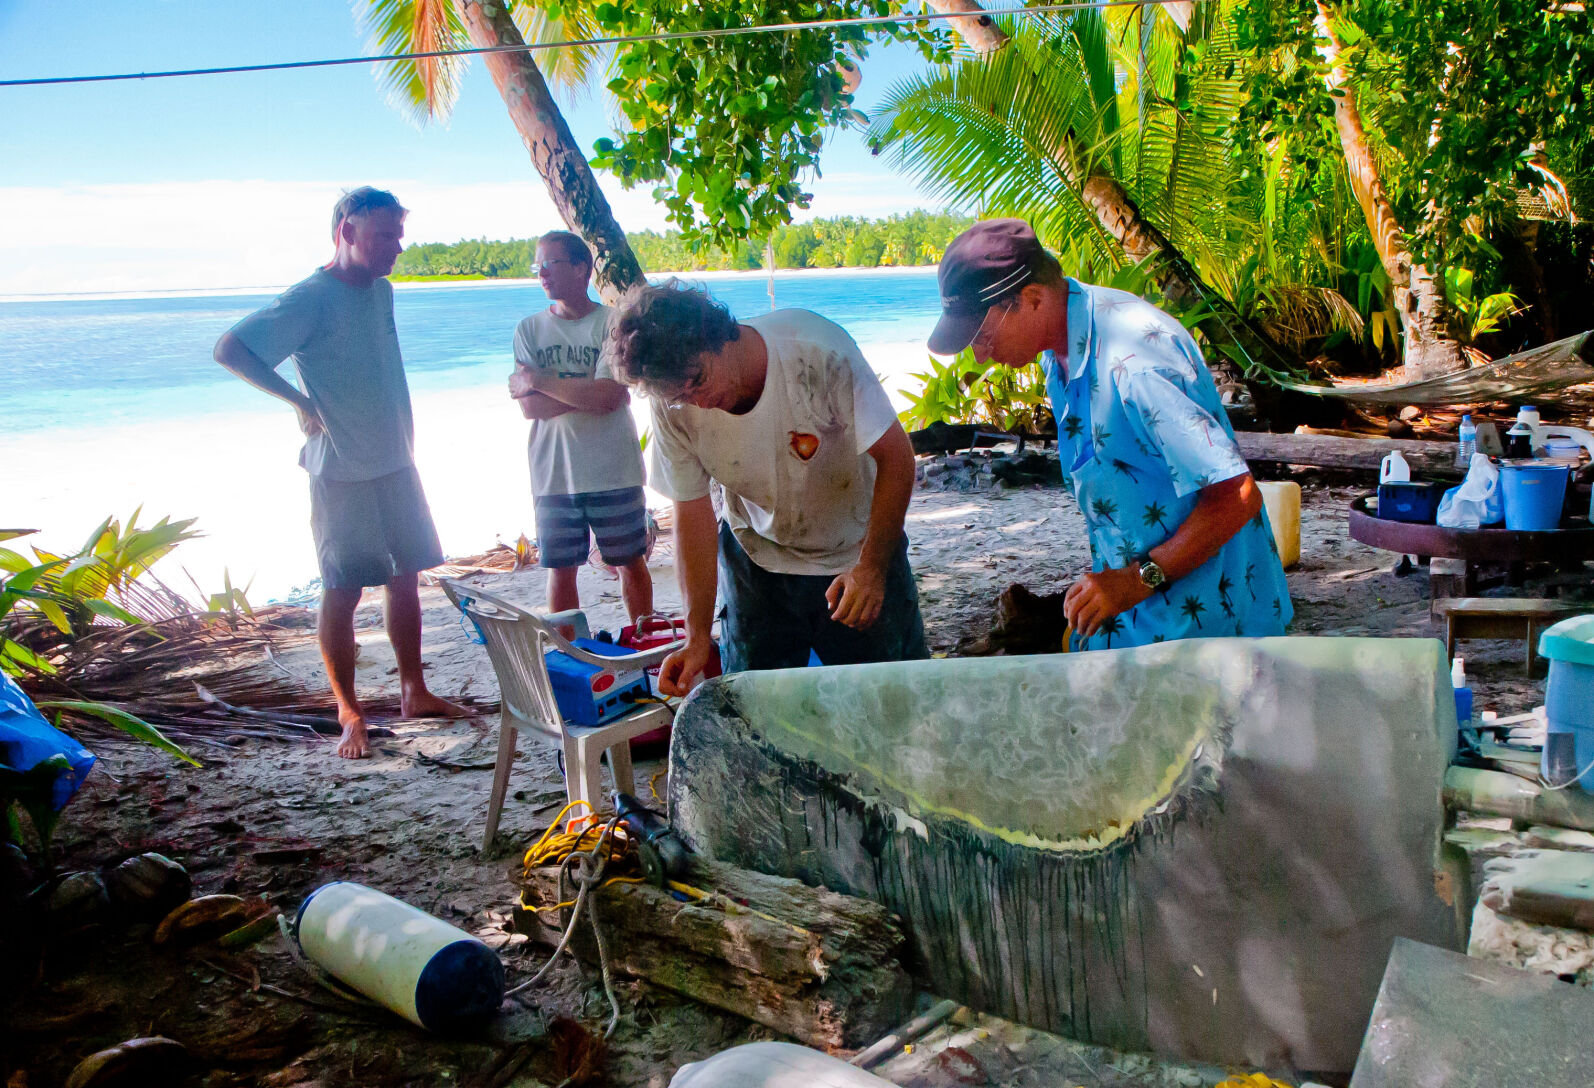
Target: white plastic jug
x=1394 y=469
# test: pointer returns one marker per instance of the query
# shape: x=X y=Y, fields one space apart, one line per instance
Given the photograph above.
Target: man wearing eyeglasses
x=1180 y=543
x=779 y=419
x=368 y=513
x=586 y=461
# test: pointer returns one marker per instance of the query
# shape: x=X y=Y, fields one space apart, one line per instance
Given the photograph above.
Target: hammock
x=1523 y=376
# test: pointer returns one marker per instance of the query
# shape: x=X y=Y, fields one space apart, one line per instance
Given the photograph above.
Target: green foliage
x=1466 y=102
x=726 y=128
x=914 y=238
x=72 y=591
x=232 y=602
x=69 y=593
x=1479 y=316
x=131 y=724
x=32 y=791
x=962 y=390
x=15 y=658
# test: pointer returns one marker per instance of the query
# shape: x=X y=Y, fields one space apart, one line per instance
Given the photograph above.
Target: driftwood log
x=1497 y=793
x=821 y=967
x=1427 y=459
x=1544 y=887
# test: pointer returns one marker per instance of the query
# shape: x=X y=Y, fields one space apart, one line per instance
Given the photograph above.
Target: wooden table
x=1501 y=617
x=1574 y=542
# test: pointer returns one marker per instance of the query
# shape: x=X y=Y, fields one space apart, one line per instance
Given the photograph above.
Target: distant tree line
x=846 y=241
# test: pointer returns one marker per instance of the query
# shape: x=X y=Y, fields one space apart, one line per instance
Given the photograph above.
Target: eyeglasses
x=678 y=398
x=537 y=269
x=982 y=338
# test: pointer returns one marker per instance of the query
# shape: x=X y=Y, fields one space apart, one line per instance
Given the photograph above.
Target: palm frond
x=572 y=69
x=421 y=89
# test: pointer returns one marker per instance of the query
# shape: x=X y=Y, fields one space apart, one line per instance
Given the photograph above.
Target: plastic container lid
x=1570 y=640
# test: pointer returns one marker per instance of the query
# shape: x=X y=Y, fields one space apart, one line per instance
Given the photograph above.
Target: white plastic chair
x=516 y=641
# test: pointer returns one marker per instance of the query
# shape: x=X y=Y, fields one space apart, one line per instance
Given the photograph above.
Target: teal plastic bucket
x=1535 y=491
x=1569 y=702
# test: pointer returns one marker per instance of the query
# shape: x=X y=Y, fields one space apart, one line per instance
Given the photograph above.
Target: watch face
x=1152 y=575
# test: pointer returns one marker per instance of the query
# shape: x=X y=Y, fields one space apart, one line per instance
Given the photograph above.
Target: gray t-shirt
x=576 y=452
x=345 y=348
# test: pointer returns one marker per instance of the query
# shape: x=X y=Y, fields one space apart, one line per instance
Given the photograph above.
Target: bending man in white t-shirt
x=783 y=418
x=586 y=462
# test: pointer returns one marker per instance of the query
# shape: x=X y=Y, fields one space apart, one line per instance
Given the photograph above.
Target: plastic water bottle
x=1469 y=443
x=1458 y=683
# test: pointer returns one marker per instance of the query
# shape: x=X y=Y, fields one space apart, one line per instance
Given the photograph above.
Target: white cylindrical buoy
x=424 y=969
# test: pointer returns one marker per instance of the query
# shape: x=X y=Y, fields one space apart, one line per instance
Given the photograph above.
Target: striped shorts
x=618 y=519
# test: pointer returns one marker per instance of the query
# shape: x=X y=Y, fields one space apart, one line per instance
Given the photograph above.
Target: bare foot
x=354 y=744
x=423 y=704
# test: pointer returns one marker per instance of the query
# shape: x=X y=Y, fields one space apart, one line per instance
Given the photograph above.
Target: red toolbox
x=646 y=634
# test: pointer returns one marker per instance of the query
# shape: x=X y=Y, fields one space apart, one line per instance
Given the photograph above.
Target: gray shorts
x=618 y=519
x=368 y=532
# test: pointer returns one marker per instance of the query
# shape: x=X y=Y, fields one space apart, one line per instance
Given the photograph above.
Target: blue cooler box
x=1410 y=500
x=589 y=695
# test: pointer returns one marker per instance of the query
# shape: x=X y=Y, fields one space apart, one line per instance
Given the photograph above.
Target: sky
x=228 y=181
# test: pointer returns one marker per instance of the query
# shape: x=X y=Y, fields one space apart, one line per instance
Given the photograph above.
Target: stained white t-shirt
x=576 y=452
x=345 y=348
x=794 y=477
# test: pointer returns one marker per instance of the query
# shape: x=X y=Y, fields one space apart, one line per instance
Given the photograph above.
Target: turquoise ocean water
x=107 y=404
x=140 y=360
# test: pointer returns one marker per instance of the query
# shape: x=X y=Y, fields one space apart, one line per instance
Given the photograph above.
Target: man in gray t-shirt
x=368 y=513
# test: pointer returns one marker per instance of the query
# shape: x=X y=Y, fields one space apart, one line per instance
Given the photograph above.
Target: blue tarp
x=27 y=740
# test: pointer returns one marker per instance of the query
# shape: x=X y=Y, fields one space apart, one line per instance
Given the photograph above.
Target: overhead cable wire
x=534 y=47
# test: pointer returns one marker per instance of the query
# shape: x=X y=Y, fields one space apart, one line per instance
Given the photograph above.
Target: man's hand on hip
x=1098 y=597
x=680 y=671
x=310 y=421
x=856 y=597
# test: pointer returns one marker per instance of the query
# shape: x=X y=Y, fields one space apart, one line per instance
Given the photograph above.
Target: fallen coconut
x=79 y=900
x=149 y=886
x=154 y=1059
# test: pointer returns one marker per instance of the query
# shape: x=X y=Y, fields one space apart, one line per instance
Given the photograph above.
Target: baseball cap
x=990 y=260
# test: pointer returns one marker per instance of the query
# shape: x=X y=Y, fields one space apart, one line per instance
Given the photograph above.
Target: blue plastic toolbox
x=589 y=695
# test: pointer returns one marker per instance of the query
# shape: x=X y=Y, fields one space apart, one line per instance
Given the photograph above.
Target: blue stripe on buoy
x=462 y=984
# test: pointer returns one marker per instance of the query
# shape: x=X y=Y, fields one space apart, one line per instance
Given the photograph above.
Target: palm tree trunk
x=977 y=30
x=1418 y=299
x=554 y=151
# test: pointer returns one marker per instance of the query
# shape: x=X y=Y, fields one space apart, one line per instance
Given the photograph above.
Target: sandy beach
x=280 y=817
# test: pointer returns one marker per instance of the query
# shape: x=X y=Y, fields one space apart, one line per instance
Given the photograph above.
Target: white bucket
x=424 y=969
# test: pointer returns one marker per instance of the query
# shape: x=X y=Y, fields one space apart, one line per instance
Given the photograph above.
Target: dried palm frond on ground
x=500 y=558
x=188 y=673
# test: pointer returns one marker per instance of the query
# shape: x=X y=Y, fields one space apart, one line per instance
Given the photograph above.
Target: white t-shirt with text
x=576 y=452
x=795 y=479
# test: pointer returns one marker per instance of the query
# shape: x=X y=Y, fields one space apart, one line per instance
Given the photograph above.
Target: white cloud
x=211 y=234
x=194 y=235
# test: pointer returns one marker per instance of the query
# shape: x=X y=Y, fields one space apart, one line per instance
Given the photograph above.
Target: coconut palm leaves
x=1022 y=131
x=421 y=89
x=427 y=88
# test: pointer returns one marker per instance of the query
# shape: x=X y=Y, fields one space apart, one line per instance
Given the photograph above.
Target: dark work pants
x=771 y=621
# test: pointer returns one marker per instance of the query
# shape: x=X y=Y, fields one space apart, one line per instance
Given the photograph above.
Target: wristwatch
x=1151 y=575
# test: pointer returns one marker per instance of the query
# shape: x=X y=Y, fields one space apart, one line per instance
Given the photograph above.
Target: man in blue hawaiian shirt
x=1180 y=543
